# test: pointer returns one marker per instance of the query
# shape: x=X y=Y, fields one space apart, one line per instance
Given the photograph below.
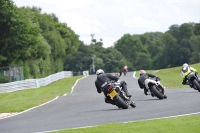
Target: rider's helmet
x=142 y=72
x=99 y=71
x=185 y=65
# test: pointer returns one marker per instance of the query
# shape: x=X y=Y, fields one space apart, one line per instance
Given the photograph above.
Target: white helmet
x=185 y=65
x=142 y=72
x=99 y=71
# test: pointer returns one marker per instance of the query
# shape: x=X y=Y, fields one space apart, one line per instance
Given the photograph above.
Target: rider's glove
x=118 y=74
x=183 y=83
x=157 y=79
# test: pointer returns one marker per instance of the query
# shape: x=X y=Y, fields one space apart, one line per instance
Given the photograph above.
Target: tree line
x=43 y=45
x=35 y=40
x=152 y=50
x=156 y=50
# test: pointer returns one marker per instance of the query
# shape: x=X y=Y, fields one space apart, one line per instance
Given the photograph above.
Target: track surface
x=85 y=107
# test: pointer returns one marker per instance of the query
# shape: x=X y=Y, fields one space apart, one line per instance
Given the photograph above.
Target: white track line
x=67 y=129
x=122 y=122
x=76 y=83
x=134 y=74
x=164 y=117
x=7 y=115
x=30 y=108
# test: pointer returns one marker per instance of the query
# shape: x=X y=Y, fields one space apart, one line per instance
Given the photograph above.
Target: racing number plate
x=112 y=94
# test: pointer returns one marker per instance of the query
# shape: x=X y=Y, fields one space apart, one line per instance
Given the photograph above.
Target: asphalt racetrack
x=85 y=107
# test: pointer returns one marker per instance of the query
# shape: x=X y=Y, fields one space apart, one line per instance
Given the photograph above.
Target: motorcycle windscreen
x=181 y=74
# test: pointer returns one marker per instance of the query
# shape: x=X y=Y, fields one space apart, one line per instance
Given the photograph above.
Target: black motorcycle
x=193 y=81
x=115 y=92
x=125 y=72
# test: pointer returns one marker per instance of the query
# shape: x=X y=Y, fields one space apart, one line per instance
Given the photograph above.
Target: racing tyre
x=120 y=102
x=156 y=92
x=196 y=84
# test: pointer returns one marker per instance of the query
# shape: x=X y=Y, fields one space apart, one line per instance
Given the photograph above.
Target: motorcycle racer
x=103 y=78
x=186 y=69
x=143 y=77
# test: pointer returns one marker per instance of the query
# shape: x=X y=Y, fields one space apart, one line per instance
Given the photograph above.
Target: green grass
x=171 y=78
x=22 y=100
x=183 y=124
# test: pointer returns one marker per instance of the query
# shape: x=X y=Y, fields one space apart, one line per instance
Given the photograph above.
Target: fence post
x=37 y=83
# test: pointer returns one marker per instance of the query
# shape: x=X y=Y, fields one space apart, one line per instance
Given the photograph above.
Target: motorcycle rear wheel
x=120 y=102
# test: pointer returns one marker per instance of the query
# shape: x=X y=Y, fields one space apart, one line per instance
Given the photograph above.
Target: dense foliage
x=152 y=50
x=155 y=50
x=43 y=45
x=36 y=40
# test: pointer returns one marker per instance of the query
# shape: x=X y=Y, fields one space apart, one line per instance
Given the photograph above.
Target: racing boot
x=127 y=94
x=124 y=88
x=145 y=91
x=152 y=94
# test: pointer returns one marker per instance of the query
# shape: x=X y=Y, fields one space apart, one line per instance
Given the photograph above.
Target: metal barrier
x=33 y=83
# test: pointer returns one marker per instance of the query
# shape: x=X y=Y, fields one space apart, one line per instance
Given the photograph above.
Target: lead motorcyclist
x=125 y=69
x=186 y=69
x=143 y=77
x=102 y=78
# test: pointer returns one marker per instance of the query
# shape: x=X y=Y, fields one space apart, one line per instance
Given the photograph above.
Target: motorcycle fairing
x=147 y=81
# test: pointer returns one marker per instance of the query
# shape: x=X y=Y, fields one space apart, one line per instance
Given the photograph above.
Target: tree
x=143 y=61
x=186 y=30
x=170 y=50
x=19 y=35
x=174 y=31
x=197 y=29
x=130 y=47
x=195 y=42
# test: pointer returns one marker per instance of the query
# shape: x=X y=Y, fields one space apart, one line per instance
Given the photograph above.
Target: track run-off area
x=84 y=107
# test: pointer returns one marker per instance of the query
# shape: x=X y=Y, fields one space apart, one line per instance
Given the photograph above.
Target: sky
x=109 y=20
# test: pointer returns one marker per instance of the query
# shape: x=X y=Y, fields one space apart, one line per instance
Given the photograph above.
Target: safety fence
x=33 y=83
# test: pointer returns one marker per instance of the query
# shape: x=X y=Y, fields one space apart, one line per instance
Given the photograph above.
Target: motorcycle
x=155 y=88
x=125 y=72
x=193 y=81
x=115 y=92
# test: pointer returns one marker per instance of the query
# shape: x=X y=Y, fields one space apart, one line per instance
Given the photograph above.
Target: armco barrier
x=33 y=83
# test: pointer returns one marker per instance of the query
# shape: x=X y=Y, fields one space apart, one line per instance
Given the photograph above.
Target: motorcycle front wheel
x=196 y=83
x=156 y=92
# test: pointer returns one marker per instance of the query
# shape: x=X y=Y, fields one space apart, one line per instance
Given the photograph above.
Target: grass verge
x=183 y=124
x=22 y=100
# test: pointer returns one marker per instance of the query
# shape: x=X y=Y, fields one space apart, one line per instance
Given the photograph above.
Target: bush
x=4 y=79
